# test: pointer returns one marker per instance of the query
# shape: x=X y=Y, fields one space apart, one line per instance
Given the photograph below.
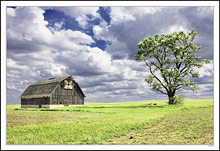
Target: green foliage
x=173 y=56
x=178 y=99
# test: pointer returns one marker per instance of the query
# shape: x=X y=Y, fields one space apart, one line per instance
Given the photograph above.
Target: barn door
x=75 y=100
x=66 y=102
x=40 y=103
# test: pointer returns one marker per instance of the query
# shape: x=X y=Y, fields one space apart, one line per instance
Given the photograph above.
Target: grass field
x=113 y=123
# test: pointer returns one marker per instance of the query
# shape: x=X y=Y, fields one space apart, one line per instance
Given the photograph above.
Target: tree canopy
x=172 y=62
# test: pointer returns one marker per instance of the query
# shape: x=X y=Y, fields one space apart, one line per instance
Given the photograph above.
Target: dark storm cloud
x=132 y=32
x=201 y=19
x=205 y=80
x=22 y=46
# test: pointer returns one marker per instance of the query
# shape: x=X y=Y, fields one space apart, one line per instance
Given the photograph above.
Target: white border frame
x=4 y=4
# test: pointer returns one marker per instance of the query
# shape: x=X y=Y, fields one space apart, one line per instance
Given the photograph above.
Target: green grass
x=186 y=127
x=99 y=123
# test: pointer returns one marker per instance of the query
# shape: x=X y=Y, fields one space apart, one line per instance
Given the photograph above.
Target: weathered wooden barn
x=54 y=92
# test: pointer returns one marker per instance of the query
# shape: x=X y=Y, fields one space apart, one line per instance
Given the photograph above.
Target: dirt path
x=187 y=127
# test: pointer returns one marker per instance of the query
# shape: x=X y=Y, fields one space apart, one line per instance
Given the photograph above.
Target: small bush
x=178 y=99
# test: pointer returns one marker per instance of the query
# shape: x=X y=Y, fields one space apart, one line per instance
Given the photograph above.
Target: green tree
x=172 y=60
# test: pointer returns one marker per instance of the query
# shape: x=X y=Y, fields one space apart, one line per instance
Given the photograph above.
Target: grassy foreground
x=113 y=123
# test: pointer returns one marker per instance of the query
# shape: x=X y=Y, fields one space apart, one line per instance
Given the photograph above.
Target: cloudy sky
x=96 y=45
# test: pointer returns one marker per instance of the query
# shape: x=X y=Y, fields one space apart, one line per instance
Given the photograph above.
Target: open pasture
x=113 y=123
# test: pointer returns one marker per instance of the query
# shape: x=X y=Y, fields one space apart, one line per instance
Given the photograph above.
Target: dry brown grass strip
x=193 y=126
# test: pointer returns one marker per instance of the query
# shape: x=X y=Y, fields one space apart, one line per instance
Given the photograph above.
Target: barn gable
x=52 y=92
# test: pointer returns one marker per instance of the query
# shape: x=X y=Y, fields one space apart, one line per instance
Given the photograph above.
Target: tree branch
x=181 y=86
x=162 y=92
x=161 y=65
x=155 y=76
x=181 y=71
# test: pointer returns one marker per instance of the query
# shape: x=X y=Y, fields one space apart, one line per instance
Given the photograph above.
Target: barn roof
x=44 y=88
x=51 y=80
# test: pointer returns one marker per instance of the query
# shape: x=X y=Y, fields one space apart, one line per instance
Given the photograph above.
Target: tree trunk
x=171 y=97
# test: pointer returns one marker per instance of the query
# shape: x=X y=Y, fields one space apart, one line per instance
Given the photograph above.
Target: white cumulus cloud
x=80 y=13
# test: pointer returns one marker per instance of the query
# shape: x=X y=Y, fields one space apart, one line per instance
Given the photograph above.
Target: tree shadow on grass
x=135 y=106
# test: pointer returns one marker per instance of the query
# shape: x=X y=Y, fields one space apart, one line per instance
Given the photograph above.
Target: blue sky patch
x=105 y=13
x=53 y=16
x=100 y=44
